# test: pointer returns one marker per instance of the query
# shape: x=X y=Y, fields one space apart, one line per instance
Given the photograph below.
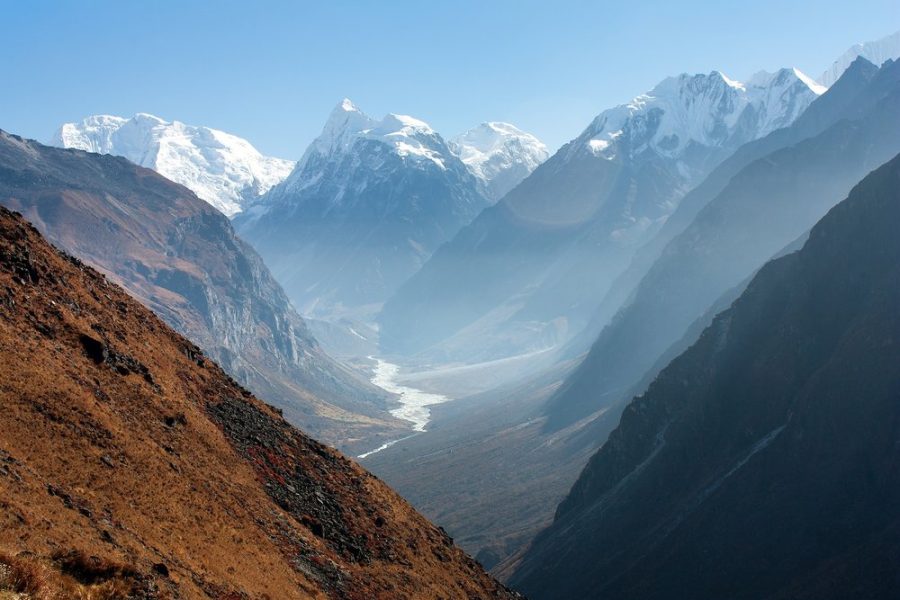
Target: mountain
x=762 y=208
x=180 y=257
x=877 y=52
x=494 y=467
x=220 y=168
x=500 y=155
x=367 y=204
x=529 y=271
x=847 y=99
x=761 y=463
x=132 y=466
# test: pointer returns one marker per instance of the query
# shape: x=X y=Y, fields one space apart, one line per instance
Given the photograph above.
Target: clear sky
x=271 y=71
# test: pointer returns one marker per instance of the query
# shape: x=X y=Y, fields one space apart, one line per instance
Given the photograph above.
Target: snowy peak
x=876 y=52
x=347 y=123
x=344 y=123
x=765 y=79
x=349 y=135
x=223 y=169
x=708 y=110
x=499 y=154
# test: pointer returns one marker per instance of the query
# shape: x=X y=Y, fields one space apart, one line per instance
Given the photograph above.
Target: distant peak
x=503 y=127
x=147 y=117
x=875 y=52
x=104 y=119
x=730 y=82
x=703 y=108
x=346 y=105
x=345 y=117
x=392 y=120
x=814 y=85
x=765 y=79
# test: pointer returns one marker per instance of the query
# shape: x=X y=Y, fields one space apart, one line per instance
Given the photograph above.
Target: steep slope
x=452 y=474
x=499 y=154
x=876 y=52
x=764 y=207
x=846 y=99
x=487 y=471
x=366 y=205
x=529 y=272
x=762 y=462
x=220 y=168
x=181 y=258
x=129 y=459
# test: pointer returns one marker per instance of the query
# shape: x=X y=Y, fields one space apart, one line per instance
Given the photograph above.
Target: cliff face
x=762 y=461
x=131 y=464
x=181 y=257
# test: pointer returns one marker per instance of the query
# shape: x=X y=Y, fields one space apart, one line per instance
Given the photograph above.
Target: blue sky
x=271 y=71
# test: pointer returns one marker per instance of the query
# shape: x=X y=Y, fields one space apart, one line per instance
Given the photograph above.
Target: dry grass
x=69 y=576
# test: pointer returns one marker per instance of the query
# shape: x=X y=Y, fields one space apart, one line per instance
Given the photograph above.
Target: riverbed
x=414 y=403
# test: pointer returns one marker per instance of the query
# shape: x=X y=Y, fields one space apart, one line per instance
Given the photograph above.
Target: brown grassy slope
x=120 y=441
x=180 y=257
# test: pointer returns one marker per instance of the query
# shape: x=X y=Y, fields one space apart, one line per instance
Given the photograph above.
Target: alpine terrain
x=529 y=272
x=500 y=155
x=876 y=52
x=764 y=207
x=180 y=257
x=220 y=168
x=132 y=466
x=761 y=462
x=365 y=207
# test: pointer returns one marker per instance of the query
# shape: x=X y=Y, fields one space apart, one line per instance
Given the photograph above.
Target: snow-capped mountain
x=500 y=154
x=223 y=169
x=366 y=205
x=545 y=255
x=347 y=134
x=689 y=111
x=876 y=52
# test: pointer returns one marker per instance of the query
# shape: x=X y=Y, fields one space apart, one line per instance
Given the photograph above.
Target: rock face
x=763 y=207
x=128 y=457
x=367 y=204
x=529 y=272
x=499 y=154
x=761 y=463
x=223 y=169
x=180 y=256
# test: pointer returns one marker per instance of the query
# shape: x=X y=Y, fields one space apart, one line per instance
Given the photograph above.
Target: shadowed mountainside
x=764 y=207
x=762 y=462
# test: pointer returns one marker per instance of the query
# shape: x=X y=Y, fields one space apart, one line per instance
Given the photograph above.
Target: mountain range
x=529 y=272
x=761 y=462
x=786 y=182
x=499 y=154
x=367 y=204
x=876 y=52
x=670 y=346
x=181 y=257
x=221 y=168
x=132 y=466
x=535 y=433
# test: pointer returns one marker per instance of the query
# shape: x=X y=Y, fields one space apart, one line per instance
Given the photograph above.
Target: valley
x=564 y=318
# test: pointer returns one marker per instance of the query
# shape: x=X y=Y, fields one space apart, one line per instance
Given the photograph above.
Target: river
x=414 y=403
